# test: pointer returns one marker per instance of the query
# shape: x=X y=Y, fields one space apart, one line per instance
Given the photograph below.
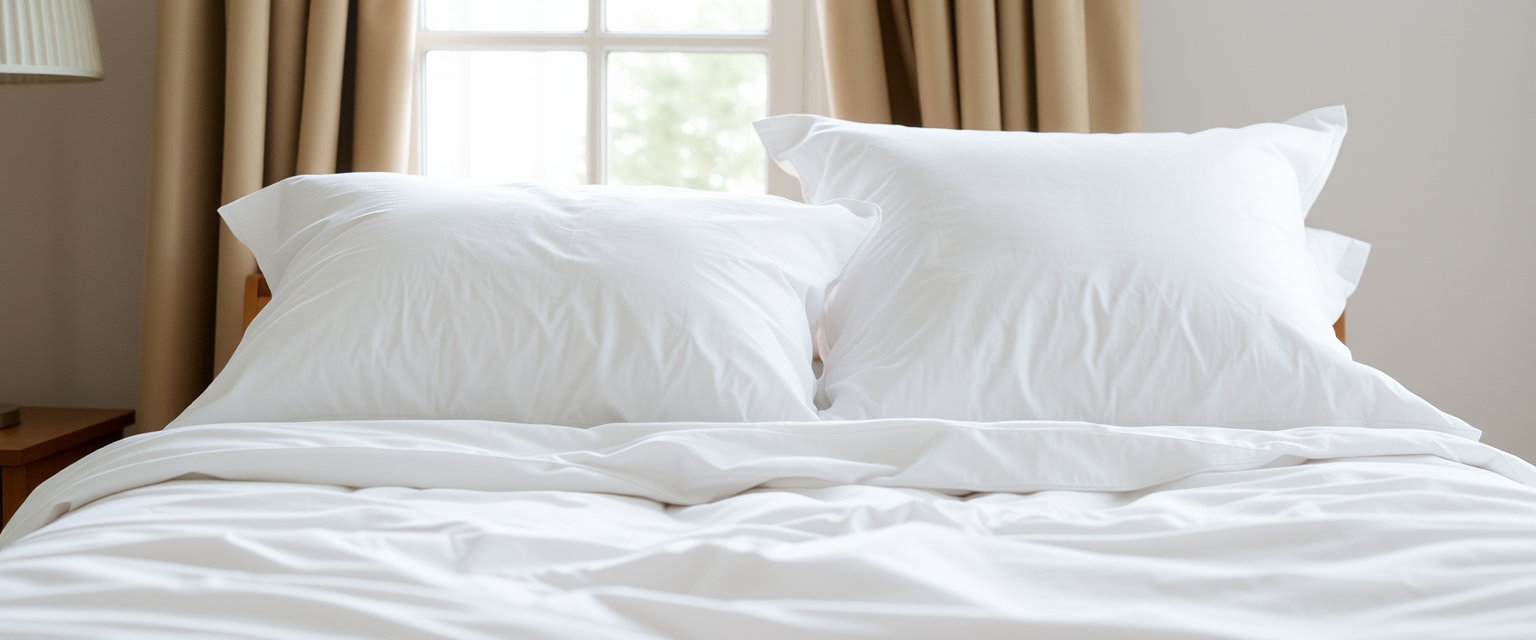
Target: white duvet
x=874 y=529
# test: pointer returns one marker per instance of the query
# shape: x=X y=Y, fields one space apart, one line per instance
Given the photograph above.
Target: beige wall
x=1438 y=171
x=73 y=180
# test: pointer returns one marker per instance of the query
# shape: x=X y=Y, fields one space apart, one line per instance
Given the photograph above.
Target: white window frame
x=794 y=78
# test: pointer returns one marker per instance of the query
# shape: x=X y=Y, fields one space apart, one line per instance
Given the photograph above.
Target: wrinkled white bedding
x=871 y=529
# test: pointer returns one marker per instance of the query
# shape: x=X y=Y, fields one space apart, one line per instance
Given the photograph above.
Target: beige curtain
x=1014 y=65
x=247 y=93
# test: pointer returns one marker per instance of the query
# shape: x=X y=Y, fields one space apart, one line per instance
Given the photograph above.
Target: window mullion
x=786 y=91
x=597 y=127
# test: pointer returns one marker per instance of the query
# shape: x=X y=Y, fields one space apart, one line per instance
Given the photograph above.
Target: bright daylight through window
x=607 y=91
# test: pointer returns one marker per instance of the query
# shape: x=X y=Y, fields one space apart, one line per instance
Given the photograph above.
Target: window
x=609 y=91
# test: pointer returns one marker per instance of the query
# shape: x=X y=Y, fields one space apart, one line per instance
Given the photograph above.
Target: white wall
x=74 y=174
x=1438 y=170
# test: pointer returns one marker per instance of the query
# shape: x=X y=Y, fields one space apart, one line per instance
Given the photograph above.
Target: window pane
x=506 y=116
x=685 y=119
x=727 y=16
x=506 y=15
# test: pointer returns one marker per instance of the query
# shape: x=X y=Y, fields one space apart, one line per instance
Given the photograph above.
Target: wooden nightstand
x=47 y=440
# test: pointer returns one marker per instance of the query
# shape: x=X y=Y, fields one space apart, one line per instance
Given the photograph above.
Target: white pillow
x=1130 y=279
x=1340 y=261
x=405 y=297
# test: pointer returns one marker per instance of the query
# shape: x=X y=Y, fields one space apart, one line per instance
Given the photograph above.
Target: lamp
x=46 y=42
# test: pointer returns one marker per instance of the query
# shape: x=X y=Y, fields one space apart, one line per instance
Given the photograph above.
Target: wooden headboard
x=258 y=294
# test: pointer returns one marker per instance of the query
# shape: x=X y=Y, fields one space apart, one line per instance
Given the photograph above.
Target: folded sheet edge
x=693 y=463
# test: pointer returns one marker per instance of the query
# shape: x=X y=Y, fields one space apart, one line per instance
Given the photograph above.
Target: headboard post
x=257 y=295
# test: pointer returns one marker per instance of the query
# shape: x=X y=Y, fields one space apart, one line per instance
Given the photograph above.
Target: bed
x=417 y=438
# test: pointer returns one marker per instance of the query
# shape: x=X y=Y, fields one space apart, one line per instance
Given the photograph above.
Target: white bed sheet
x=871 y=529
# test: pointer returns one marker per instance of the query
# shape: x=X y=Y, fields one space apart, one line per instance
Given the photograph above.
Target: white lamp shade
x=48 y=41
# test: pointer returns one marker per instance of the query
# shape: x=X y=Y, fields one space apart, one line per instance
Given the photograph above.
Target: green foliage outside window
x=685 y=119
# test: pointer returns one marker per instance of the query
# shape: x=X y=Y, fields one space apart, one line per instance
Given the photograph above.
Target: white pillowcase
x=405 y=297
x=1340 y=261
x=1130 y=279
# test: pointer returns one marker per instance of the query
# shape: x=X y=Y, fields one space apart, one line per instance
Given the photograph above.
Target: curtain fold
x=1114 y=75
x=855 y=59
x=285 y=87
x=247 y=93
x=386 y=49
x=181 y=250
x=246 y=39
x=934 y=55
x=1017 y=65
x=325 y=54
x=978 y=61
